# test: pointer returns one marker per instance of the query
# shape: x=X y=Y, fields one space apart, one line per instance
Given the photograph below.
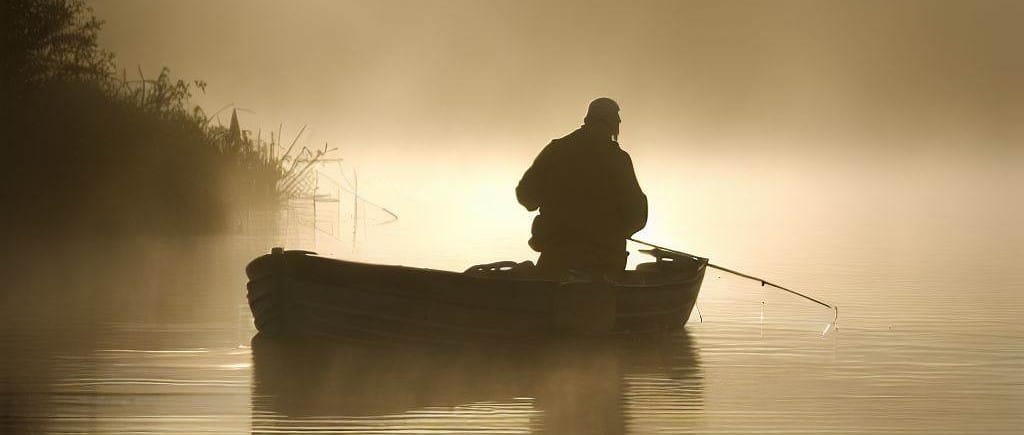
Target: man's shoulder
x=582 y=137
x=572 y=137
x=563 y=143
x=617 y=149
x=619 y=155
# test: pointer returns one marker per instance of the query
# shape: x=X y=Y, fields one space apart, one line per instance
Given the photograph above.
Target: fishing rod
x=741 y=274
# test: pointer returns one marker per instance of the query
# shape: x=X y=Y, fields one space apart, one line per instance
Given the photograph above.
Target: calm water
x=153 y=336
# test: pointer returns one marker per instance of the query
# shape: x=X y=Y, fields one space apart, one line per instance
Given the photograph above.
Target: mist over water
x=928 y=336
x=866 y=153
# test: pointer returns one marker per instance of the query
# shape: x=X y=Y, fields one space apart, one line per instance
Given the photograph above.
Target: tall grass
x=266 y=170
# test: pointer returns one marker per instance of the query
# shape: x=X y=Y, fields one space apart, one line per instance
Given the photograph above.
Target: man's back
x=588 y=196
x=586 y=190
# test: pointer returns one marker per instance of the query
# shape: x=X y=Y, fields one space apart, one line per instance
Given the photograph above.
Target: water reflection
x=153 y=336
x=555 y=387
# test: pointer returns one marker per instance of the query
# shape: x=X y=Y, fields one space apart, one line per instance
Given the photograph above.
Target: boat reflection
x=577 y=386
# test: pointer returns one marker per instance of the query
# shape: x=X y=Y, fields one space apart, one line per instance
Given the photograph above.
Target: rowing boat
x=300 y=294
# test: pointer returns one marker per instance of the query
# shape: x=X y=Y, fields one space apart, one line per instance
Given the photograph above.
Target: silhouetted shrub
x=86 y=151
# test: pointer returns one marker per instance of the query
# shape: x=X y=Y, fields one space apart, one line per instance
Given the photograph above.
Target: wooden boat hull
x=293 y=293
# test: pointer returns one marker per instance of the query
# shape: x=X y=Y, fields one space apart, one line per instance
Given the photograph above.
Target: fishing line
x=835 y=309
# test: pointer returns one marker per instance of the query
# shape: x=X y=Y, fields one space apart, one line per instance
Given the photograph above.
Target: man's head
x=603 y=115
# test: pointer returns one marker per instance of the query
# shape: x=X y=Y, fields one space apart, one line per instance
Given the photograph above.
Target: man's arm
x=633 y=200
x=530 y=191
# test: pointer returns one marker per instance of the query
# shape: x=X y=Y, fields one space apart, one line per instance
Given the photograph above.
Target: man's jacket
x=586 y=190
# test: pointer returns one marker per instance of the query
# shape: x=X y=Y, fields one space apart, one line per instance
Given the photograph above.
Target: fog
x=867 y=153
x=734 y=112
x=731 y=76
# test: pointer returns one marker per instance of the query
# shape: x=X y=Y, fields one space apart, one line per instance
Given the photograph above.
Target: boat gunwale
x=697 y=273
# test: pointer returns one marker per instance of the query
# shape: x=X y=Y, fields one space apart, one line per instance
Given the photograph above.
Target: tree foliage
x=47 y=40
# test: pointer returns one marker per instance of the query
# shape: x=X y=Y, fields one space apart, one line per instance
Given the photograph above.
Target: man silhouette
x=588 y=196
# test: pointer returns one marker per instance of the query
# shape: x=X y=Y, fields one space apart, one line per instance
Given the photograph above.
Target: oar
x=724 y=269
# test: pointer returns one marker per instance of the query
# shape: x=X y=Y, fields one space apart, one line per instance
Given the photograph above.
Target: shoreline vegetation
x=92 y=151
